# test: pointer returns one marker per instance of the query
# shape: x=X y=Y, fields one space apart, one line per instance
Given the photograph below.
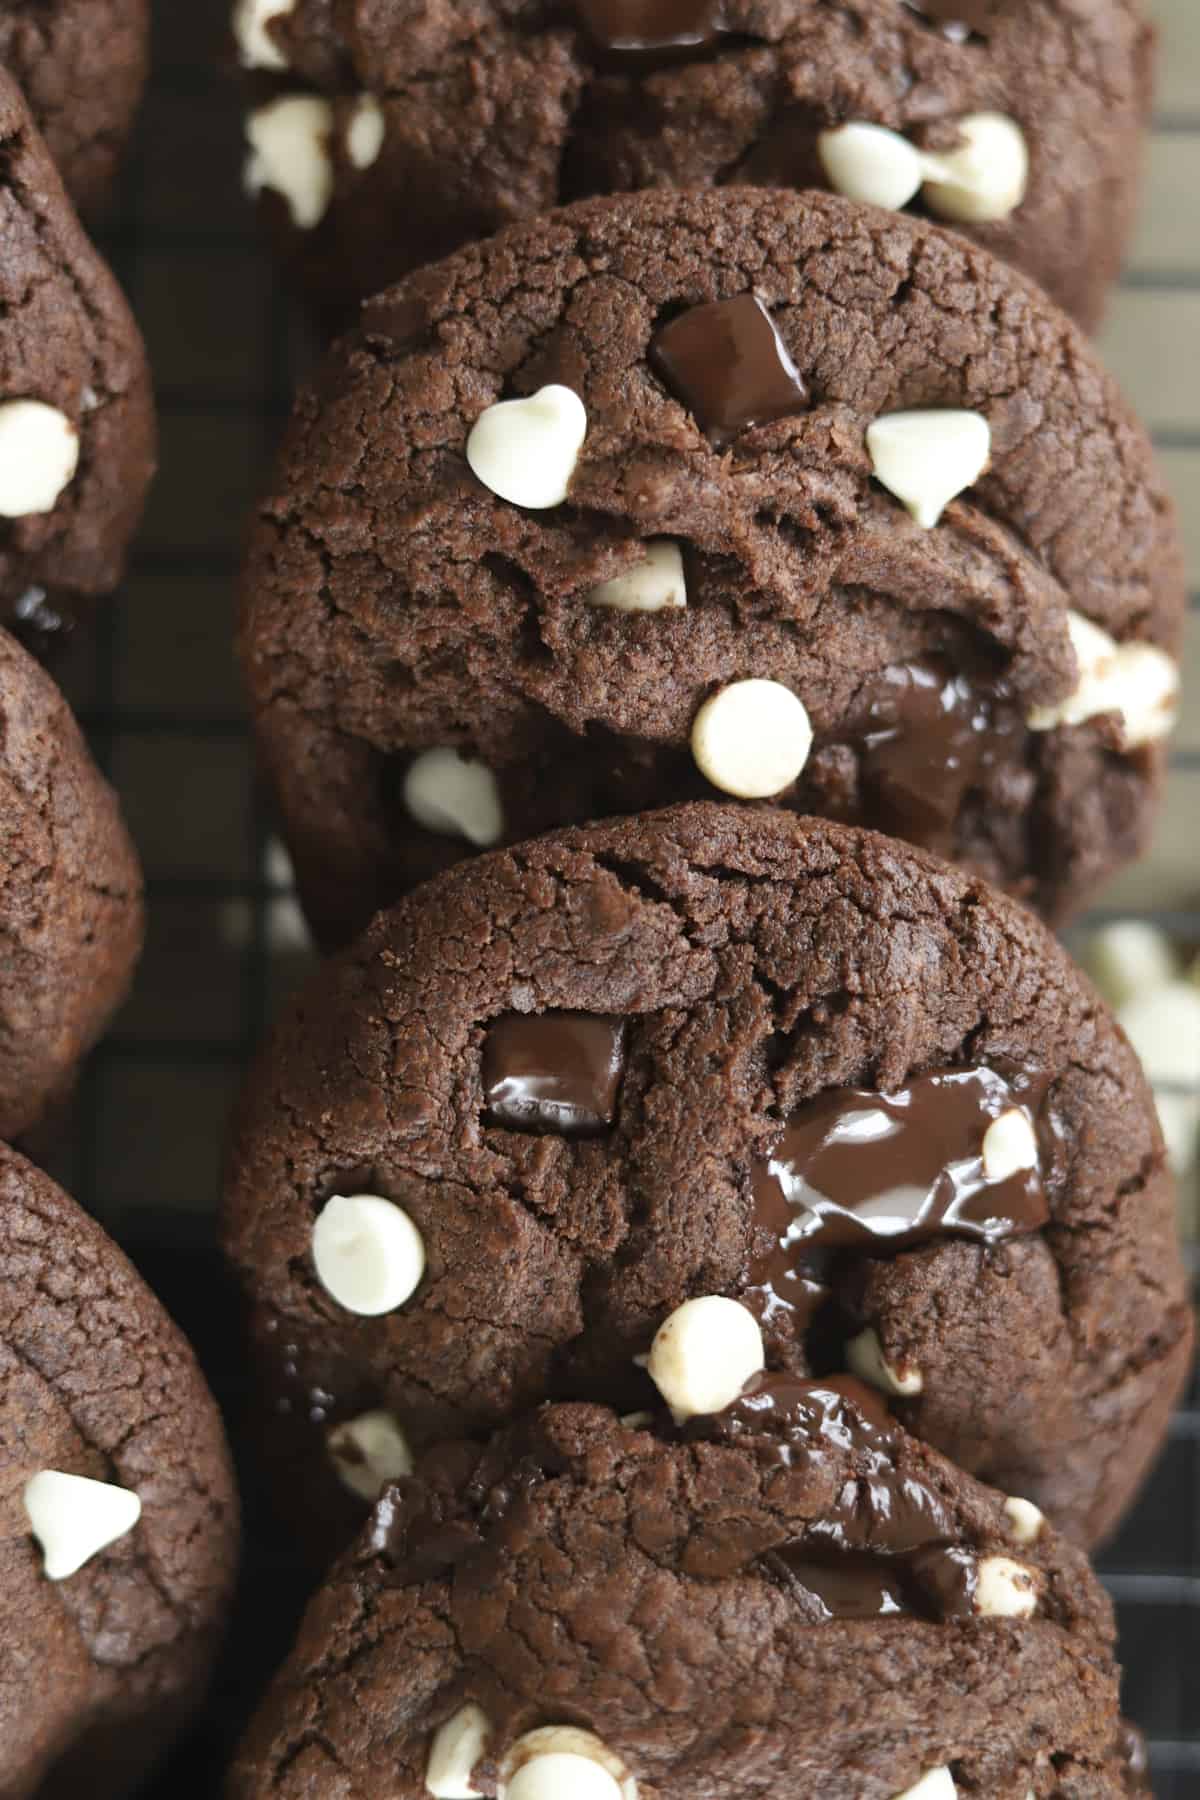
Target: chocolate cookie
x=716 y=1051
x=789 y=1593
x=70 y=895
x=82 y=65
x=119 y=1519
x=385 y=136
x=76 y=414
x=714 y=545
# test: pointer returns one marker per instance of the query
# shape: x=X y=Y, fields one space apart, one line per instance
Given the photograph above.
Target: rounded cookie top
x=70 y=895
x=564 y=1089
x=473 y=116
x=733 y=400
x=76 y=415
x=119 y=1520
x=82 y=67
x=792 y=1585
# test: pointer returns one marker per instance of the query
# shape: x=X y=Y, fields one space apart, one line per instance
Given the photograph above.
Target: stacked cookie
x=76 y=454
x=718 y=1259
x=118 y=1516
x=737 y=492
x=1017 y=120
x=745 y=1131
x=82 y=66
x=118 y=1519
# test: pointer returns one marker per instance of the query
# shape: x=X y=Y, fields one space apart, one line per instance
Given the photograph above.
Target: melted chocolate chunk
x=556 y=1072
x=729 y=366
x=927 y=735
x=886 y=1546
x=426 y=1527
x=792 y=1412
x=847 y=1584
x=419 y=1541
x=641 y=28
x=857 y=1170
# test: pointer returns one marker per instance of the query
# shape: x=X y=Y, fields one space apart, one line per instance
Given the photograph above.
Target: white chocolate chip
x=289 y=153
x=563 y=1762
x=365 y=132
x=369 y=1452
x=935 y=1784
x=1138 y=681
x=444 y=792
x=982 y=179
x=1025 y=1520
x=285 y=929
x=1096 y=655
x=368 y=1254
x=39 y=454
x=1005 y=1589
x=1146 y=693
x=1128 y=958
x=636 y=1421
x=653 y=584
x=704 y=1354
x=872 y=164
x=864 y=1354
x=752 y=739
x=74 y=1518
x=1163 y=1025
x=257 y=49
x=1009 y=1145
x=526 y=450
x=457 y=1746
x=985 y=177
x=927 y=458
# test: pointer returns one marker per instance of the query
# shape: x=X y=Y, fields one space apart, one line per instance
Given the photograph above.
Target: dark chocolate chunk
x=553 y=1072
x=886 y=1547
x=641 y=27
x=927 y=735
x=857 y=1170
x=847 y=1584
x=729 y=366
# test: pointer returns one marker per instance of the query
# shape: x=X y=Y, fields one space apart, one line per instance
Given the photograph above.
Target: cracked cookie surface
x=492 y=113
x=101 y=1670
x=582 y=1571
x=68 y=342
x=395 y=605
x=756 y=961
x=70 y=896
x=82 y=67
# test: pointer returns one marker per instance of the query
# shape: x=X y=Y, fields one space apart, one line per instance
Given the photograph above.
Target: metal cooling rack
x=155 y=686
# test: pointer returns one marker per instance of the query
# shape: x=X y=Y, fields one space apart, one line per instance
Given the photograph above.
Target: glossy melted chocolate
x=557 y=1072
x=729 y=366
x=886 y=1547
x=859 y=1171
x=926 y=736
x=640 y=29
